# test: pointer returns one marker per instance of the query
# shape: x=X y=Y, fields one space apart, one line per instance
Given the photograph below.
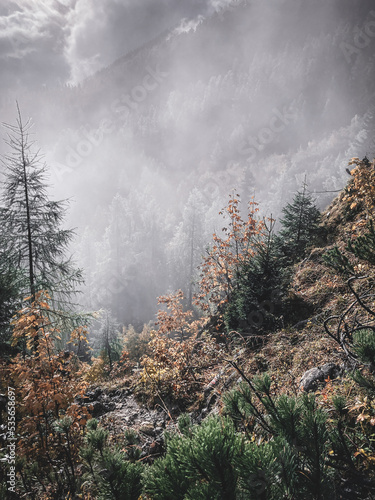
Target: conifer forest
x=187 y=250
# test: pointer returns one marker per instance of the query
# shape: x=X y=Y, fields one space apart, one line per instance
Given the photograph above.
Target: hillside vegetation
x=229 y=410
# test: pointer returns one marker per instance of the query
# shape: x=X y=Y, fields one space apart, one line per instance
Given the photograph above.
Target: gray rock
x=99 y=408
x=93 y=395
x=311 y=379
x=147 y=428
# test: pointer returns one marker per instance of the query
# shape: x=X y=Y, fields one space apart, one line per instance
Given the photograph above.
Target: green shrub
x=199 y=464
x=364 y=345
x=111 y=470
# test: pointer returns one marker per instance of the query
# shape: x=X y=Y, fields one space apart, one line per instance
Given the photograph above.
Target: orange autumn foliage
x=221 y=267
x=360 y=194
x=177 y=358
x=46 y=384
x=174 y=320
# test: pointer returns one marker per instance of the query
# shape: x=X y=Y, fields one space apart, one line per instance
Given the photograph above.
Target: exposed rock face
x=312 y=378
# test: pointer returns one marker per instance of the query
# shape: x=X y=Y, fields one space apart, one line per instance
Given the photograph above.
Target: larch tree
x=30 y=224
x=222 y=267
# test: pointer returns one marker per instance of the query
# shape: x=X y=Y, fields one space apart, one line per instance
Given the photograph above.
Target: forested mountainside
x=252 y=98
x=267 y=395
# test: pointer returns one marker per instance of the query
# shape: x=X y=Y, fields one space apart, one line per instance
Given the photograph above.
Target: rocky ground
x=118 y=411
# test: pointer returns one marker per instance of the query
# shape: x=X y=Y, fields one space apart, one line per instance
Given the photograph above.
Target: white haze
x=246 y=95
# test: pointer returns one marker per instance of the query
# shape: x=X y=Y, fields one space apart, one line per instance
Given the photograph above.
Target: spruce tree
x=261 y=280
x=300 y=226
x=10 y=282
x=110 y=338
x=30 y=224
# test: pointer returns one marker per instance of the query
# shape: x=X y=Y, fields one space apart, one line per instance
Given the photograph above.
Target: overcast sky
x=44 y=42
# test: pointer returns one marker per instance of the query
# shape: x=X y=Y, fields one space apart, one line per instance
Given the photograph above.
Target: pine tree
x=301 y=439
x=338 y=261
x=362 y=247
x=199 y=463
x=30 y=224
x=300 y=226
x=116 y=471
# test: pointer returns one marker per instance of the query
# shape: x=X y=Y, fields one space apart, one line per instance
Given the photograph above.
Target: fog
x=150 y=114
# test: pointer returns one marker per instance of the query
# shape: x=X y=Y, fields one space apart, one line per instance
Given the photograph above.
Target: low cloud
x=187 y=25
x=46 y=42
x=32 y=34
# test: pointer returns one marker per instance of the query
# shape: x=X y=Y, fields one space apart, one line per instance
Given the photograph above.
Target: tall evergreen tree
x=255 y=301
x=110 y=337
x=30 y=224
x=300 y=226
x=11 y=280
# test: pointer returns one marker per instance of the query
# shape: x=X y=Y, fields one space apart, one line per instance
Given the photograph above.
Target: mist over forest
x=147 y=137
x=187 y=249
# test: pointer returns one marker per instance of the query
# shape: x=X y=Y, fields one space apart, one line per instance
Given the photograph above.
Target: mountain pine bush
x=113 y=472
x=199 y=464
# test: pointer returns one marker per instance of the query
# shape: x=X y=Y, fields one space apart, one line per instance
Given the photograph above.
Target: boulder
x=312 y=378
